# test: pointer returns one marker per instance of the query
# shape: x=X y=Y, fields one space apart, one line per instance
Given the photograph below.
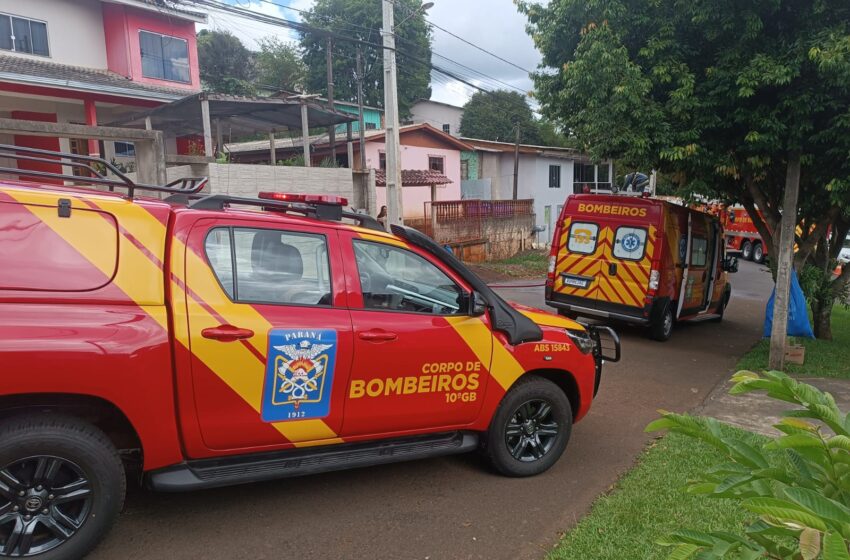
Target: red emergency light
x=330 y=199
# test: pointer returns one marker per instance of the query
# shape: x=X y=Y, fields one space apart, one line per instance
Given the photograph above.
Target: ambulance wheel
x=662 y=328
x=758 y=253
x=747 y=251
x=61 y=487
x=530 y=429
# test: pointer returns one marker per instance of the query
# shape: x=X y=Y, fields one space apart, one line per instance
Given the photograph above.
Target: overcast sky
x=494 y=25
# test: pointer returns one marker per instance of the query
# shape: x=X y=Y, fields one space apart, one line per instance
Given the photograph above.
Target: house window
x=447 y=128
x=382 y=161
x=23 y=35
x=554 y=176
x=125 y=149
x=371 y=126
x=603 y=177
x=464 y=169
x=436 y=163
x=164 y=57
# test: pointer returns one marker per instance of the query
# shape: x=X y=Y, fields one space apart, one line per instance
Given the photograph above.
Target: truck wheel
x=61 y=487
x=530 y=429
x=758 y=253
x=662 y=328
x=747 y=251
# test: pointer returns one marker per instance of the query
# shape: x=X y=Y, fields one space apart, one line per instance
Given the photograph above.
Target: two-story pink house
x=92 y=61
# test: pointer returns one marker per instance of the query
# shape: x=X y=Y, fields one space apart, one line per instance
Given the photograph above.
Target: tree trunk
x=821 y=315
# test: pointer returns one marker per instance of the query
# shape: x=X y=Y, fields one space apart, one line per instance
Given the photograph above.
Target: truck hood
x=545 y=318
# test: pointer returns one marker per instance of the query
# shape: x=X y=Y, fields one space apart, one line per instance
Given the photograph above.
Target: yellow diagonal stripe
x=504 y=368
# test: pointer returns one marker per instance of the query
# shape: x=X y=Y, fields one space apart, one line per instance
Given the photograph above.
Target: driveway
x=452 y=508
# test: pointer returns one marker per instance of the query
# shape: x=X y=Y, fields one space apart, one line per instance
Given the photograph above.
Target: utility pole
x=784 y=263
x=331 y=129
x=395 y=203
x=361 y=125
x=516 y=162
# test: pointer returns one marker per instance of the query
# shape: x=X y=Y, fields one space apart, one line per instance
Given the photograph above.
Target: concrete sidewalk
x=757 y=412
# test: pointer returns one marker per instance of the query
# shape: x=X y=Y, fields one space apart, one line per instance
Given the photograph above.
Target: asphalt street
x=453 y=507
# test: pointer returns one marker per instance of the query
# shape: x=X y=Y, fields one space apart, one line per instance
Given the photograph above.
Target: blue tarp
x=798 y=314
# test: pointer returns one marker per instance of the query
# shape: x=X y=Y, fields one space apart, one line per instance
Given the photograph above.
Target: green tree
x=494 y=116
x=361 y=19
x=279 y=65
x=719 y=94
x=226 y=66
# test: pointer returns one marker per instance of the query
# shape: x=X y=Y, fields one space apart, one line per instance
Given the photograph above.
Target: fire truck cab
x=639 y=260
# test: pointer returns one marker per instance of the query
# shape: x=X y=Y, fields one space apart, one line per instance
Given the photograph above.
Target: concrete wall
x=437 y=114
x=536 y=186
x=248 y=180
x=415 y=157
x=74 y=29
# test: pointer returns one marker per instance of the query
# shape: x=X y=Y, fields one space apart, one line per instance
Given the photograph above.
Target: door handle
x=377 y=336
x=612 y=269
x=226 y=333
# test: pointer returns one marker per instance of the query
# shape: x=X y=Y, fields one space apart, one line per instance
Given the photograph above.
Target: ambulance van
x=638 y=260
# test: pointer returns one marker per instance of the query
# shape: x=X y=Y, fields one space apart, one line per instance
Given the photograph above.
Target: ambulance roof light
x=329 y=199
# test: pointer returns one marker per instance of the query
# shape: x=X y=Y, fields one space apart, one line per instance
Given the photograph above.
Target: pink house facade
x=422 y=147
x=92 y=62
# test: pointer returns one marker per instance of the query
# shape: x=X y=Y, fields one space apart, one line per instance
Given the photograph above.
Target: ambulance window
x=630 y=243
x=699 y=251
x=395 y=279
x=583 y=236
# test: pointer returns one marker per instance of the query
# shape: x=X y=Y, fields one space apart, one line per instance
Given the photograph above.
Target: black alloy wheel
x=44 y=501
x=62 y=486
x=531 y=428
x=531 y=431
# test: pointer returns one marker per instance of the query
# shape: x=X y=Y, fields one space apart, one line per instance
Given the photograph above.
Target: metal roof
x=19 y=69
x=239 y=116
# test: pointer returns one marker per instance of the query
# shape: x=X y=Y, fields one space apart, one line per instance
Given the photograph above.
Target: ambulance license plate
x=576 y=281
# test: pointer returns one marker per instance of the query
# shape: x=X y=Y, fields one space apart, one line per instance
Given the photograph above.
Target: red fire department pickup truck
x=211 y=340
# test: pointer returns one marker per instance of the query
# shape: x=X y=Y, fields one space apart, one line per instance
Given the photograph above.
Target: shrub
x=798 y=484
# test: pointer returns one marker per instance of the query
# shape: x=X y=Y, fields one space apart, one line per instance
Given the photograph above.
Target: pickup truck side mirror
x=478 y=305
x=730 y=264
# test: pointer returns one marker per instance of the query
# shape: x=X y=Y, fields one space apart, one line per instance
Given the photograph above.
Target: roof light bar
x=332 y=200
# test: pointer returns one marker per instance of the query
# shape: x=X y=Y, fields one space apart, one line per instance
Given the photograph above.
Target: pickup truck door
x=269 y=334
x=420 y=359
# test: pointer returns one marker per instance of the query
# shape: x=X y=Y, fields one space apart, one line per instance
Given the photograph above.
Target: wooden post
x=350 y=145
x=305 y=133
x=205 y=117
x=219 y=147
x=272 y=149
x=433 y=211
x=784 y=263
x=516 y=162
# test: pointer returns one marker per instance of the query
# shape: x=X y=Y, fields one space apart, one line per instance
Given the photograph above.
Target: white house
x=547 y=174
x=441 y=116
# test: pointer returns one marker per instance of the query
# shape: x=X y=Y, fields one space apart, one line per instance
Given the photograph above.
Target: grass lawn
x=824 y=358
x=527 y=264
x=648 y=504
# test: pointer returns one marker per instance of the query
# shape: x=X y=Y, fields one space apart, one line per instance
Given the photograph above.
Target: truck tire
x=62 y=484
x=747 y=251
x=530 y=429
x=662 y=328
x=758 y=253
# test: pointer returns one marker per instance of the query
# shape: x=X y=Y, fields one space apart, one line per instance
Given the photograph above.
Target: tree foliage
x=494 y=116
x=361 y=19
x=719 y=94
x=226 y=65
x=279 y=65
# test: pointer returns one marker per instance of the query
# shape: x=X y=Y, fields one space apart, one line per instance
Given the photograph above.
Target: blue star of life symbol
x=630 y=243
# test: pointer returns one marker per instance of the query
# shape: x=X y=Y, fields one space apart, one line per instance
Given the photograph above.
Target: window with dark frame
x=164 y=57
x=437 y=163
x=23 y=35
x=554 y=176
x=447 y=128
x=464 y=169
x=371 y=126
x=382 y=161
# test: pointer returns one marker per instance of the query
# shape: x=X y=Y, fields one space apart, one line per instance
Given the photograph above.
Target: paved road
x=452 y=508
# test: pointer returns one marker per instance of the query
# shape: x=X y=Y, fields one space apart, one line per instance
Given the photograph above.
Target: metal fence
x=457 y=221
